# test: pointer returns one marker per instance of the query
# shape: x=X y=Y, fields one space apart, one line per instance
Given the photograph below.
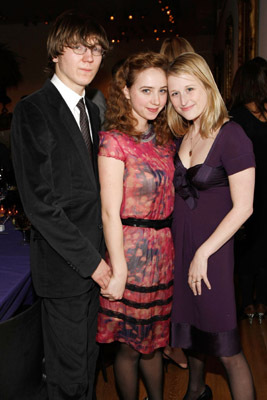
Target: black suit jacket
x=59 y=190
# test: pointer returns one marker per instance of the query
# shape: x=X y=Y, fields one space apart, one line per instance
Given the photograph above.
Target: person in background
x=136 y=173
x=97 y=97
x=172 y=48
x=54 y=139
x=214 y=185
x=249 y=109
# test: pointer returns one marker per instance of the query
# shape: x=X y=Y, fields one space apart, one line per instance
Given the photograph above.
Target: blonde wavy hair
x=215 y=113
x=173 y=47
x=119 y=114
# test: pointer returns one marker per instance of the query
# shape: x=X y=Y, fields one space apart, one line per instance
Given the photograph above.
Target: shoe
x=260 y=312
x=206 y=395
x=250 y=313
x=260 y=316
x=168 y=359
x=250 y=318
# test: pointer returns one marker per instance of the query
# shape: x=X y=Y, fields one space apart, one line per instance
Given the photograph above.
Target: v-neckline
x=210 y=150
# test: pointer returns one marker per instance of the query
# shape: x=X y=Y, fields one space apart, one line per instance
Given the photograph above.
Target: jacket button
x=100 y=226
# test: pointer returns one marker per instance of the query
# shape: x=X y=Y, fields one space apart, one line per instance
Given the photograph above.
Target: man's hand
x=116 y=288
x=102 y=274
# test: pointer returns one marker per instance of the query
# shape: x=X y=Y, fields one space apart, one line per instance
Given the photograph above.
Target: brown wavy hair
x=119 y=114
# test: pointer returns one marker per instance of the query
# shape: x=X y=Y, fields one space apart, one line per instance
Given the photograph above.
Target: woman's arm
x=111 y=180
x=242 y=190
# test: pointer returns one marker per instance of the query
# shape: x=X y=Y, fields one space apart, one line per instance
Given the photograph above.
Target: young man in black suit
x=57 y=177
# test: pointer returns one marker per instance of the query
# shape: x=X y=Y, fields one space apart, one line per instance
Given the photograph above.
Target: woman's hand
x=115 y=289
x=197 y=272
x=111 y=172
x=241 y=189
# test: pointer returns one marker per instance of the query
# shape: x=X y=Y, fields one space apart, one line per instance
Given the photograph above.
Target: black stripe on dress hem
x=132 y=320
x=146 y=305
x=149 y=289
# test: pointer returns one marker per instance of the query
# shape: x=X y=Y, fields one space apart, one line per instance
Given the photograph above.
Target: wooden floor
x=254 y=342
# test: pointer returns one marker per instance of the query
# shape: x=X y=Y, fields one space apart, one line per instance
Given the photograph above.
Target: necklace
x=193 y=145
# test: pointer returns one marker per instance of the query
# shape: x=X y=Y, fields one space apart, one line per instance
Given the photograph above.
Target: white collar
x=70 y=97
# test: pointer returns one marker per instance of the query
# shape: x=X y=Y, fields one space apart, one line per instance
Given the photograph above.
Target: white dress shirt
x=71 y=98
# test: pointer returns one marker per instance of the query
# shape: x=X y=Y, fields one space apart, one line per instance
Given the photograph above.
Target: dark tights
x=237 y=370
x=128 y=363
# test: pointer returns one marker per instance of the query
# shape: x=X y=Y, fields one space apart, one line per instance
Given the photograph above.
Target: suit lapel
x=71 y=128
x=95 y=126
x=74 y=131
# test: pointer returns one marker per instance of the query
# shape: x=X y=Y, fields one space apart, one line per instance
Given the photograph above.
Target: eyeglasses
x=95 y=49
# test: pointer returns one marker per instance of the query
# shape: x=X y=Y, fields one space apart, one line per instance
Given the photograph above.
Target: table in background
x=15 y=277
x=21 y=344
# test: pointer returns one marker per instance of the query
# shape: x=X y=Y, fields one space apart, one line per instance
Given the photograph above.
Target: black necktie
x=84 y=126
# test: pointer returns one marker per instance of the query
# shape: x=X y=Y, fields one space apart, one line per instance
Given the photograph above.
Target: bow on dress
x=183 y=185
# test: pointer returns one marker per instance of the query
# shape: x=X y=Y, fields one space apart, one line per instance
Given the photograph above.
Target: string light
x=168 y=12
x=121 y=21
x=126 y=32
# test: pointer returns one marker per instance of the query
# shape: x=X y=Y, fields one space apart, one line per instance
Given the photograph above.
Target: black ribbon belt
x=148 y=223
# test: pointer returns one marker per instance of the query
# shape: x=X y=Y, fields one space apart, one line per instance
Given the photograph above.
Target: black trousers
x=252 y=269
x=69 y=331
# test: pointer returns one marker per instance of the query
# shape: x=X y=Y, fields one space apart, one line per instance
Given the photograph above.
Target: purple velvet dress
x=207 y=323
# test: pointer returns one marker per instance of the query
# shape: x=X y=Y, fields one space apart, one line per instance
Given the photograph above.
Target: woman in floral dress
x=136 y=172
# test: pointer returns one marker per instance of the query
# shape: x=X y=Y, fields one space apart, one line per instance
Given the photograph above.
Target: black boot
x=206 y=395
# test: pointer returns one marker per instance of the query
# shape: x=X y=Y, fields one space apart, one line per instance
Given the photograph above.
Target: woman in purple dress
x=214 y=184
